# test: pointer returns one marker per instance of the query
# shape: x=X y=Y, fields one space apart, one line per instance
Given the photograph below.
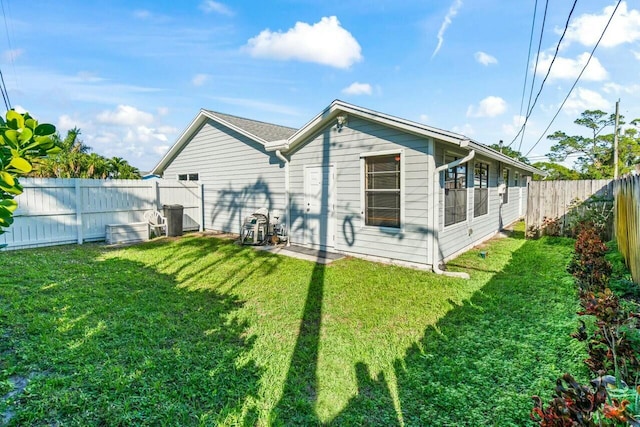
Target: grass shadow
x=103 y=351
x=481 y=363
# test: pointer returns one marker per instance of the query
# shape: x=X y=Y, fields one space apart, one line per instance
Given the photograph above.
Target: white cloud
x=466 y=130
x=199 y=79
x=325 y=42
x=210 y=6
x=584 y=99
x=259 y=105
x=66 y=122
x=511 y=129
x=141 y=14
x=125 y=115
x=567 y=68
x=424 y=118
x=616 y=88
x=453 y=11
x=624 y=27
x=491 y=106
x=161 y=149
x=636 y=54
x=144 y=134
x=485 y=59
x=357 y=88
x=163 y=111
x=12 y=55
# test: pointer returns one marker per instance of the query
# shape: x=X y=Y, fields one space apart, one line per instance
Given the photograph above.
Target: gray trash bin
x=173 y=214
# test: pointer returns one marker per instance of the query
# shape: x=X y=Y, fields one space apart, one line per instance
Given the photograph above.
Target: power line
x=577 y=79
x=526 y=71
x=3 y=87
x=12 y=53
x=5 y=94
x=535 y=67
x=555 y=55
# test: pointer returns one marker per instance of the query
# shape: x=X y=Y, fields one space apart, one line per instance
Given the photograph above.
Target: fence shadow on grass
x=482 y=362
x=116 y=351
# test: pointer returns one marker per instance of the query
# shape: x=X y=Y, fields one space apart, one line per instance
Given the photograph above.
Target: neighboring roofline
x=202 y=116
x=321 y=120
x=336 y=107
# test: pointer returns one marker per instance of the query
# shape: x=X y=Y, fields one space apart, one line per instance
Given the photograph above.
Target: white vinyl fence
x=61 y=211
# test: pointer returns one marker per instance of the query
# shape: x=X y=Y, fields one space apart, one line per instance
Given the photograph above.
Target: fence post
x=156 y=189
x=79 y=224
x=201 y=197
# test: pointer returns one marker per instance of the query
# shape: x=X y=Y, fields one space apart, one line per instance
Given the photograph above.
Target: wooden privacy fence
x=61 y=211
x=627 y=222
x=554 y=200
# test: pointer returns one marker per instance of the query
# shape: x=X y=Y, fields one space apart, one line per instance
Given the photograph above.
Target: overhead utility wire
x=5 y=94
x=526 y=71
x=555 y=55
x=535 y=67
x=11 y=51
x=578 y=79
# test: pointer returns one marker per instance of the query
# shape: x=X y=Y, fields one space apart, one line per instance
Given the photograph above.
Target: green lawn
x=199 y=331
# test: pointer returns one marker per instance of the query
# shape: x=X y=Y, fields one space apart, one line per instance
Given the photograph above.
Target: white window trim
x=442 y=196
x=188 y=173
x=506 y=184
x=363 y=177
x=473 y=202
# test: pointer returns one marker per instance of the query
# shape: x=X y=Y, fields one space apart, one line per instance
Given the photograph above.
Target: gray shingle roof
x=267 y=131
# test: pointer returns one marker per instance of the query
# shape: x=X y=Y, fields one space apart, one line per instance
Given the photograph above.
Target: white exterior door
x=319 y=205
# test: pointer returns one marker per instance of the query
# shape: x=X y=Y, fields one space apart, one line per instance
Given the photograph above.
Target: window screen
x=505 y=178
x=481 y=189
x=455 y=193
x=382 y=190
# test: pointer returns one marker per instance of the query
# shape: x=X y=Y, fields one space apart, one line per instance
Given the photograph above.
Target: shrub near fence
x=61 y=211
x=627 y=222
x=556 y=207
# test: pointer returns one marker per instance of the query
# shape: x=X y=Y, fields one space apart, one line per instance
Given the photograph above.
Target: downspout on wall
x=435 y=226
x=286 y=194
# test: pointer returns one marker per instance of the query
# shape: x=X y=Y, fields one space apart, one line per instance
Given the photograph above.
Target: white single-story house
x=353 y=180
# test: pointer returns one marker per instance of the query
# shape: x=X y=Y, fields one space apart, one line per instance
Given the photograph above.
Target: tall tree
x=508 y=151
x=75 y=160
x=555 y=171
x=595 y=152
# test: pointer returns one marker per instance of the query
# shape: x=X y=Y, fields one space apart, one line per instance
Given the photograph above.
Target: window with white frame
x=505 y=180
x=516 y=179
x=188 y=177
x=455 y=193
x=480 y=189
x=382 y=190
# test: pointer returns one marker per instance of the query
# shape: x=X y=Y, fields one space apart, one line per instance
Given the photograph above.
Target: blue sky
x=132 y=75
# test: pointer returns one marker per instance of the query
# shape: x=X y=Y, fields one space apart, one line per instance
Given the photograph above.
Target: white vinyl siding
x=347 y=149
x=237 y=175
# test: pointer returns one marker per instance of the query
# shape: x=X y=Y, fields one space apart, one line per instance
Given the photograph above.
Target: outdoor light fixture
x=342 y=121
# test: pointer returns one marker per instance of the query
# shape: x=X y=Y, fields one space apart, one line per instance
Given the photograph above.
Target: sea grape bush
x=22 y=141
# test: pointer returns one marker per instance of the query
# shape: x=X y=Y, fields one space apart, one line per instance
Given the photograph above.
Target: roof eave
x=337 y=106
x=490 y=152
x=201 y=118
